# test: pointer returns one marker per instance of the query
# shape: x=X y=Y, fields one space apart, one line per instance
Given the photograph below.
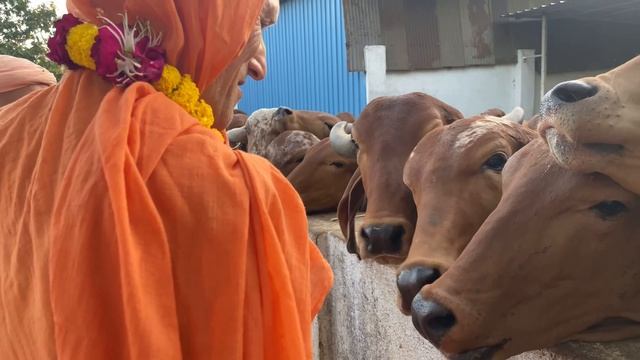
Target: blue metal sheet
x=307 y=62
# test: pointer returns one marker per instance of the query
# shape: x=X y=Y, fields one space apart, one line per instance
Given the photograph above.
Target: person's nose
x=258 y=64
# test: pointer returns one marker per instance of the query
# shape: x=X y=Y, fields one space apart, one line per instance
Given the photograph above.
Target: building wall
x=307 y=62
x=471 y=90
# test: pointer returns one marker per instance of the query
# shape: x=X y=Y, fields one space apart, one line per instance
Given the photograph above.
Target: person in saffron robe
x=130 y=231
x=19 y=77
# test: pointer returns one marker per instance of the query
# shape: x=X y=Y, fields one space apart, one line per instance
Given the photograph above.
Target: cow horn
x=341 y=140
x=238 y=135
x=516 y=115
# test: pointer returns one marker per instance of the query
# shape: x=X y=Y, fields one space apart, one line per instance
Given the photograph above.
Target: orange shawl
x=16 y=73
x=128 y=231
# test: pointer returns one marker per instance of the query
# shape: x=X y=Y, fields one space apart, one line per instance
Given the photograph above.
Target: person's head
x=225 y=91
x=216 y=42
x=19 y=77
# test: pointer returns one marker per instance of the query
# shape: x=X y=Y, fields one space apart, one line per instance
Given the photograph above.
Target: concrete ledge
x=360 y=319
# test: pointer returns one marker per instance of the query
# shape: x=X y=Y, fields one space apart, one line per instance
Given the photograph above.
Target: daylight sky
x=61 y=7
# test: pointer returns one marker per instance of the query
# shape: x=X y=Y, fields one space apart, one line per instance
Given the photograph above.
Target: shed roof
x=622 y=11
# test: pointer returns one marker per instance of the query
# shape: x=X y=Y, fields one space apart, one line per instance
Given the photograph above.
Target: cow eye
x=609 y=209
x=496 y=162
x=337 y=164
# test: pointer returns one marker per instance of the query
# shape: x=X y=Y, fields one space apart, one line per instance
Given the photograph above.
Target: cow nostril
x=573 y=91
x=412 y=280
x=395 y=239
x=431 y=319
x=383 y=239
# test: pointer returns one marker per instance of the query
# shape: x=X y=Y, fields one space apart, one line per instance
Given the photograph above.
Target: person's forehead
x=270 y=12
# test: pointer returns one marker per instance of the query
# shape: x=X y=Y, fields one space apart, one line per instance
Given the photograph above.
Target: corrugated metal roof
x=623 y=11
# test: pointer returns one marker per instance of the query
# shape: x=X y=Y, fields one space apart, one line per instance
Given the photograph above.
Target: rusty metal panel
x=362 y=27
x=450 y=33
x=477 y=32
x=423 y=41
x=394 y=35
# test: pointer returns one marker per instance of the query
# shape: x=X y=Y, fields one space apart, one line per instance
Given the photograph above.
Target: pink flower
x=151 y=59
x=105 y=50
x=57 y=51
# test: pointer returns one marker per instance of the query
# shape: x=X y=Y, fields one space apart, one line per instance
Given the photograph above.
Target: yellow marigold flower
x=218 y=134
x=80 y=39
x=186 y=94
x=169 y=81
x=204 y=113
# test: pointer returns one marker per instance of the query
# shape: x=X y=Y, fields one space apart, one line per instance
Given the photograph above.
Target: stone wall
x=360 y=320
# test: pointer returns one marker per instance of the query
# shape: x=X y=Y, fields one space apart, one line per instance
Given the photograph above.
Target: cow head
x=288 y=149
x=264 y=125
x=455 y=175
x=317 y=123
x=557 y=260
x=593 y=124
x=322 y=176
x=382 y=139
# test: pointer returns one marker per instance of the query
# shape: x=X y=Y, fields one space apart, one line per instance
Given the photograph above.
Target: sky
x=61 y=5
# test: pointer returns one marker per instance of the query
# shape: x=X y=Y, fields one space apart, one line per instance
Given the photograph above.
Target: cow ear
x=450 y=114
x=352 y=201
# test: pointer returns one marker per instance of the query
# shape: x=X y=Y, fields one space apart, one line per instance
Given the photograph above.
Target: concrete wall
x=360 y=320
x=471 y=89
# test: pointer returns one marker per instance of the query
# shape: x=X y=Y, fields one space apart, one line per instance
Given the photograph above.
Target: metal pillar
x=543 y=58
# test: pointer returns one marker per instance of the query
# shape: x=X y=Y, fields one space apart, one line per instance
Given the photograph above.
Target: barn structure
x=336 y=55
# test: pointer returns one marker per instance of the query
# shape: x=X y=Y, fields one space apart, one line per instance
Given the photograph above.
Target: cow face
x=322 y=176
x=555 y=261
x=288 y=149
x=593 y=124
x=264 y=125
x=385 y=134
x=455 y=175
x=317 y=123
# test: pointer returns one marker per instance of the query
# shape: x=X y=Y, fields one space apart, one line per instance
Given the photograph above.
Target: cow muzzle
x=410 y=281
x=384 y=241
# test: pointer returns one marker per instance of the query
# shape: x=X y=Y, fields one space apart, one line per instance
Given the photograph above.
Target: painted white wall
x=471 y=90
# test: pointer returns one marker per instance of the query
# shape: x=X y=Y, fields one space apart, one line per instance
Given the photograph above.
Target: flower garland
x=122 y=55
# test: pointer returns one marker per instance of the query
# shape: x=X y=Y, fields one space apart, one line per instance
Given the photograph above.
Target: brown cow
x=557 y=260
x=264 y=125
x=592 y=125
x=239 y=120
x=288 y=149
x=382 y=139
x=454 y=174
x=345 y=116
x=322 y=177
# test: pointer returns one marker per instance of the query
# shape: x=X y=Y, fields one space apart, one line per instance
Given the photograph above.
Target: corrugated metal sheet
x=423 y=34
x=477 y=32
x=362 y=23
x=307 y=62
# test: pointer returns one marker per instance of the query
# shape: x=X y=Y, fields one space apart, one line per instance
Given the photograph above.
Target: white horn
x=516 y=115
x=238 y=135
x=341 y=140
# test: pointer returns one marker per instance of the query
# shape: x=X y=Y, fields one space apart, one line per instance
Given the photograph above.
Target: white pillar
x=525 y=82
x=543 y=62
x=375 y=60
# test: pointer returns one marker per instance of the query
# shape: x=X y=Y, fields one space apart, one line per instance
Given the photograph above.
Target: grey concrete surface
x=360 y=320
